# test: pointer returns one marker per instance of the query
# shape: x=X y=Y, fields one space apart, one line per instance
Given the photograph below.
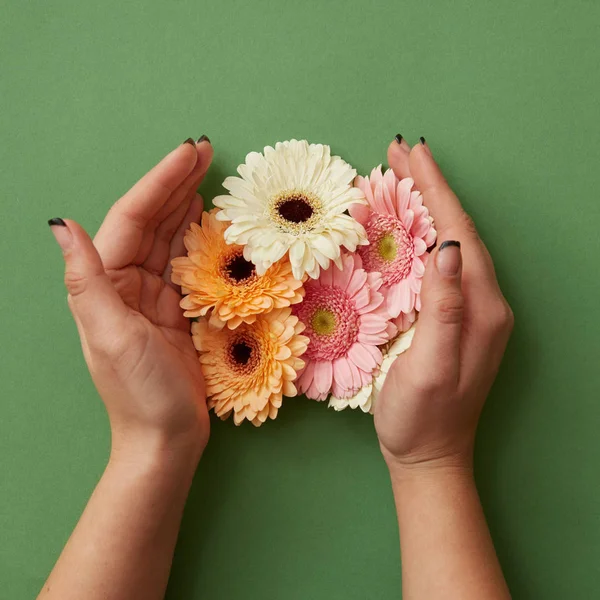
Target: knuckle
x=500 y=318
x=449 y=308
x=75 y=283
x=468 y=225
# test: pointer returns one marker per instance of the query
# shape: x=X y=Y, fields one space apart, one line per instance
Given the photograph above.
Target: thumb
x=438 y=332
x=95 y=303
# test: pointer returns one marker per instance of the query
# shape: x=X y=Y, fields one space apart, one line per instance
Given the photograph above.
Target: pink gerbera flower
x=346 y=320
x=399 y=230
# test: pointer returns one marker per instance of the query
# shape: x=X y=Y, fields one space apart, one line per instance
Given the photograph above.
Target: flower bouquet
x=304 y=279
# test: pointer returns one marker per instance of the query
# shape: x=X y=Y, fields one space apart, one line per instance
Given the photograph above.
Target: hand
x=135 y=339
x=429 y=407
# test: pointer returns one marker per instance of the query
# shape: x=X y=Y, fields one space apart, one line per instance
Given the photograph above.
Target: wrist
x=155 y=452
x=459 y=464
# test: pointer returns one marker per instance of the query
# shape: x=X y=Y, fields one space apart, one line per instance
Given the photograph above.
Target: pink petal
x=326 y=278
x=359 y=278
x=393 y=299
x=313 y=393
x=379 y=201
x=418 y=268
x=420 y=246
x=374 y=280
x=431 y=237
x=420 y=227
x=341 y=278
x=403 y=195
x=361 y=357
x=405 y=299
x=389 y=187
x=372 y=339
x=375 y=351
x=371 y=323
x=362 y=297
x=416 y=199
x=305 y=380
x=342 y=374
x=407 y=219
x=375 y=302
x=359 y=212
x=323 y=376
x=418 y=303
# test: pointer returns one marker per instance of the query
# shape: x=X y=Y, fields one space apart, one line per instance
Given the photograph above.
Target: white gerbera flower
x=366 y=397
x=292 y=199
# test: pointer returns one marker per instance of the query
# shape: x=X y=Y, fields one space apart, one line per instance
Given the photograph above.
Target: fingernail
x=203 y=138
x=448 y=258
x=61 y=233
x=425 y=145
x=399 y=138
x=190 y=141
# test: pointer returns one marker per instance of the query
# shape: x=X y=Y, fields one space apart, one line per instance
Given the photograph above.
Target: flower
x=346 y=320
x=249 y=369
x=217 y=277
x=399 y=230
x=366 y=397
x=292 y=200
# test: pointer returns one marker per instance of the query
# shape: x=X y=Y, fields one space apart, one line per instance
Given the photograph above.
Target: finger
x=95 y=303
x=177 y=247
x=437 y=337
x=122 y=231
x=451 y=221
x=398 y=157
x=154 y=248
x=159 y=253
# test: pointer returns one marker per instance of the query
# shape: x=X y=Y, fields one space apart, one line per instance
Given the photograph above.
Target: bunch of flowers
x=304 y=279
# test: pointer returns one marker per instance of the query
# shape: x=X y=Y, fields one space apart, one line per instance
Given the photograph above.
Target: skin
x=140 y=355
x=428 y=410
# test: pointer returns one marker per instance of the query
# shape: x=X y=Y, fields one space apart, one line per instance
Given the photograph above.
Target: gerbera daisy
x=400 y=230
x=366 y=397
x=249 y=369
x=292 y=200
x=346 y=320
x=216 y=276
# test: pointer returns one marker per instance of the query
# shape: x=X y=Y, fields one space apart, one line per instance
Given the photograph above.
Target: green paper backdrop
x=93 y=94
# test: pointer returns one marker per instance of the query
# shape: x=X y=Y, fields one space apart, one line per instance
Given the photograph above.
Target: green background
x=93 y=94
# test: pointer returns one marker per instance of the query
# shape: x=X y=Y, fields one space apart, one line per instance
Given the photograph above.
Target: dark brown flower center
x=239 y=268
x=295 y=209
x=241 y=353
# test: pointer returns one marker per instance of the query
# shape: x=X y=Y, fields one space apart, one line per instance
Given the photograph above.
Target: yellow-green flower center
x=387 y=247
x=323 y=321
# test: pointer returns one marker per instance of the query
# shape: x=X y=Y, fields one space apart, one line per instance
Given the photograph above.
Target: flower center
x=387 y=247
x=323 y=321
x=391 y=249
x=241 y=353
x=238 y=268
x=331 y=319
x=295 y=209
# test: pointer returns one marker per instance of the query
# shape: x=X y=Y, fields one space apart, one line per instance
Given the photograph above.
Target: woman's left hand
x=135 y=338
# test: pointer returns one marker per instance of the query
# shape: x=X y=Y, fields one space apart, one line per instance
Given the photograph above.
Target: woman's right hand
x=428 y=410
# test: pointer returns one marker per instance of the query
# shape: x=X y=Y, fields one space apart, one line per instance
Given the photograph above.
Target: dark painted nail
x=189 y=141
x=203 y=138
x=449 y=243
x=57 y=221
x=422 y=140
x=398 y=138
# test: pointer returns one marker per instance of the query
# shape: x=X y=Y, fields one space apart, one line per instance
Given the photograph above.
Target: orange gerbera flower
x=248 y=370
x=216 y=276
